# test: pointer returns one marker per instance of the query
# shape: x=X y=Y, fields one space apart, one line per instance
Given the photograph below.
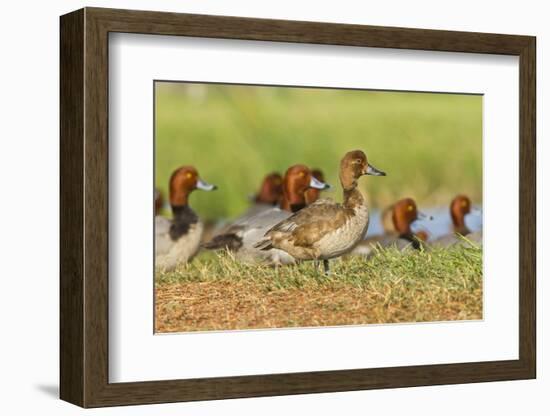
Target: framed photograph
x=254 y=207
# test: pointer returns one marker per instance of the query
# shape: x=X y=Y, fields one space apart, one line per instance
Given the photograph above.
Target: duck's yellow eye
x=188 y=175
x=302 y=174
x=463 y=203
x=410 y=208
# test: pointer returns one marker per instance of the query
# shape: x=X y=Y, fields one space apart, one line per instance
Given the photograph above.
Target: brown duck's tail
x=264 y=244
x=230 y=241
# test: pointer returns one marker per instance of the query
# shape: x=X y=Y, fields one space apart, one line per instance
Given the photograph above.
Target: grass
x=429 y=144
x=215 y=292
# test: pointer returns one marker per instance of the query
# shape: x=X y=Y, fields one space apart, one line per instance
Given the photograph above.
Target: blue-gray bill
x=371 y=170
x=317 y=184
x=205 y=186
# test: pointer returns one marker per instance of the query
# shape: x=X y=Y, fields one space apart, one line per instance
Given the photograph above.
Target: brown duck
x=326 y=229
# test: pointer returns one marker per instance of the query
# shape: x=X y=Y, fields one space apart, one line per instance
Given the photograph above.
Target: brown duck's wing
x=312 y=223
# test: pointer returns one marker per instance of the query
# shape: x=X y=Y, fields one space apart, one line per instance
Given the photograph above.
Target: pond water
x=439 y=225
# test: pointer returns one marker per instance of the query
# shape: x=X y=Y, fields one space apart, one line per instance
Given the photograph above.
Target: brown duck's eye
x=463 y=203
x=188 y=175
x=358 y=160
x=410 y=208
x=302 y=174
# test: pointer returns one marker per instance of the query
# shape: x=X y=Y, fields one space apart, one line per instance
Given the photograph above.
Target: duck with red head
x=241 y=235
x=402 y=215
x=178 y=240
x=459 y=208
x=326 y=229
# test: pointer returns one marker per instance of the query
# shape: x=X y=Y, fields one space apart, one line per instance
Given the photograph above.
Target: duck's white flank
x=169 y=253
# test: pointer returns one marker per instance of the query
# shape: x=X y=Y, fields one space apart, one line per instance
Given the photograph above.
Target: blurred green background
x=430 y=145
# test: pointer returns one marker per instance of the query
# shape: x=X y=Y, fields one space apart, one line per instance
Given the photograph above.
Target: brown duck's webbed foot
x=326 y=267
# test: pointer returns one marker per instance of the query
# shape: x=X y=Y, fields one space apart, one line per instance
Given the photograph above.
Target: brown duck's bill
x=371 y=170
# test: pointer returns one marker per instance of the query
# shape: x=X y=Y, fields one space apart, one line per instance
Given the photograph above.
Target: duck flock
x=288 y=222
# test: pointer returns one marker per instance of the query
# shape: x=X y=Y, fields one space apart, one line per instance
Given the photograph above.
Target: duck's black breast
x=416 y=244
x=184 y=218
x=297 y=207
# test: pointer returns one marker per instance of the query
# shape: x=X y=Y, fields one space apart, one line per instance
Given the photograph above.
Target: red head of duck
x=298 y=179
x=460 y=207
x=183 y=181
x=271 y=190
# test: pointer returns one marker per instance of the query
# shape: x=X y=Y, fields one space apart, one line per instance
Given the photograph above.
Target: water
x=440 y=225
